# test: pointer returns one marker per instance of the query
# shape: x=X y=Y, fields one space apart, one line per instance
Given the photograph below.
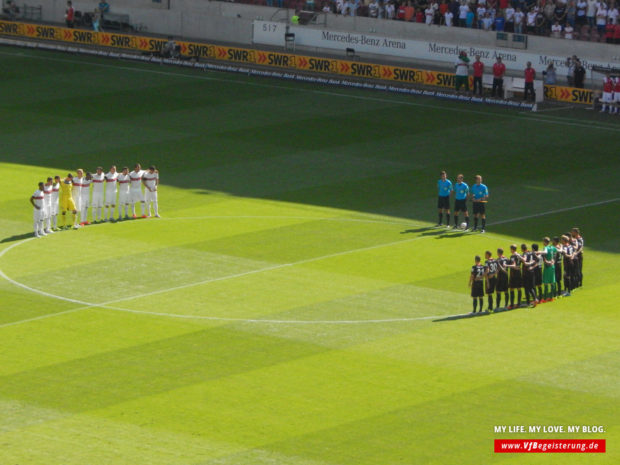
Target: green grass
x=285 y=309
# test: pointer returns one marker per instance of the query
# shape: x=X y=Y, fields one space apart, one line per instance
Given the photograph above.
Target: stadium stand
x=496 y=10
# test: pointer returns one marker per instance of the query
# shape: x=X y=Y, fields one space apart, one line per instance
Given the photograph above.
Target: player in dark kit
x=476 y=280
x=491 y=269
x=502 y=278
x=558 y=266
x=528 y=261
x=576 y=235
x=568 y=253
x=537 y=270
x=516 y=281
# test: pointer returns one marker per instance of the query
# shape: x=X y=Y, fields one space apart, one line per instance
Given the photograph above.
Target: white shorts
x=110 y=198
x=150 y=196
x=123 y=198
x=77 y=200
x=97 y=200
x=54 y=207
x=84 y=203
x=607 y=97
x=38 y=215
x=136 y=196
x=617 y=97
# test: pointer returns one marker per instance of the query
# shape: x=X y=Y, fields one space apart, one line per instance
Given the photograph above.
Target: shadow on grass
x=417 y=230
x=466 y=316
x=453 y=234
x=17 y=237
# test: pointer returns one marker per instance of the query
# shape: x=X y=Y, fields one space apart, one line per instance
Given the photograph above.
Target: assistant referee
x=480 y=195
x=444 y=187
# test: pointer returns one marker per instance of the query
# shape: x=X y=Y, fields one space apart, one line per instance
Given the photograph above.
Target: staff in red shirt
x=478 y=72
x=608 y=94
x=616 y=107
x=530 y=75
x=499 y=69
x=70 y=14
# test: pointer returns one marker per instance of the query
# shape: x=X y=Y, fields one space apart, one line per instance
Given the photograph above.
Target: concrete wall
x=230 y=22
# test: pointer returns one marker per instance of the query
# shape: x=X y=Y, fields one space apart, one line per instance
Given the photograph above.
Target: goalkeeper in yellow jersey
x=66 y=201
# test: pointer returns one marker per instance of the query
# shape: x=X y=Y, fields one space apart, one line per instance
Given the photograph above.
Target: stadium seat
x=594 y=37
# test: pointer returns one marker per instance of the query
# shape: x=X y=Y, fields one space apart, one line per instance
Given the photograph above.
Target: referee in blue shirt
x=461 y=192
x=444 y=186
x=480 y=195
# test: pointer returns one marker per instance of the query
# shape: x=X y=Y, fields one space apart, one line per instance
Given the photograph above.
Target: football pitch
x=294 y=304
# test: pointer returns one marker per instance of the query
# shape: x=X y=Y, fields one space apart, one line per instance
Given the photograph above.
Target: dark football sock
x=506 y=298
x=447 y=219
x=512 y=298
x=440 y=218
x=484 y=223
x=490 y=302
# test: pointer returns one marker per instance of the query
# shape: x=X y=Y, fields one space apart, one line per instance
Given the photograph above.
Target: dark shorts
x=477 y=289
x=528 y=279
x=443 y=202
x=491 y=285
x=502 y=282
x=538 y=276
x=515 y=279
x=479 y=207
x=460 y=205
x=461 y=81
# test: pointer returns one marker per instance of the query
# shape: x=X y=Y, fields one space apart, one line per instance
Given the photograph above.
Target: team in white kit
x=126 y=185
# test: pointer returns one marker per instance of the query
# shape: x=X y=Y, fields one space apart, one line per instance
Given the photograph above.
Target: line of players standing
x=73 y=194
x=538 y=274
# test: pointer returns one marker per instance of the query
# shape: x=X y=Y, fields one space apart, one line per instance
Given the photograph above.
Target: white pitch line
x=568 y=123
x=44 y=317
x=596 y=126
x=28 y=288
x=267 y=321
x=86 y=305
x=559 y=210
x=276 y=217
x=548 y=110
x=268 y=268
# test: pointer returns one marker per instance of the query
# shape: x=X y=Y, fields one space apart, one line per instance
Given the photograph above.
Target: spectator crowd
x=594 y=20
